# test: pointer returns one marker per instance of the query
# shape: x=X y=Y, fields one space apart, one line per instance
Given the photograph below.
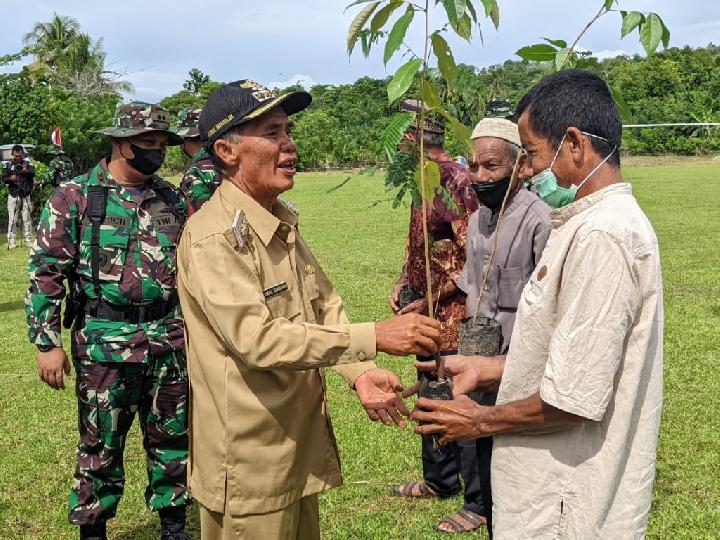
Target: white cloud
x=306 y=81
x=606 y=53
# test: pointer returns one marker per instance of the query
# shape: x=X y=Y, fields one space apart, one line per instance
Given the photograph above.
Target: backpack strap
x=96 y=203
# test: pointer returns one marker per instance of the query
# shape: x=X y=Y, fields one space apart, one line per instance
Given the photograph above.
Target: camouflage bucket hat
x=188 y=122
x=499 y=108
x=138 y=117
x=57 y=150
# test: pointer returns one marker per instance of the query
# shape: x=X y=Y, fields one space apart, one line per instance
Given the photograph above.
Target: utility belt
x=130 y=314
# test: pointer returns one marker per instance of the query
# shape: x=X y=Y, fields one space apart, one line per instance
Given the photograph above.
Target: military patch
x=275 y=290
x=164 y=219
x=107 y=258
x=117 y=221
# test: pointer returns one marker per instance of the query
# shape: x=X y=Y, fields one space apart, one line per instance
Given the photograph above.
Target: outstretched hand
x=469 y=373
x=458 y=419
x=378 y=390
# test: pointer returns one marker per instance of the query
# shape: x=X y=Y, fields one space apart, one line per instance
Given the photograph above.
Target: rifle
x=74 y=302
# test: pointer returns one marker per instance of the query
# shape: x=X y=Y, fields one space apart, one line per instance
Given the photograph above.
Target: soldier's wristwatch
x=45 y=348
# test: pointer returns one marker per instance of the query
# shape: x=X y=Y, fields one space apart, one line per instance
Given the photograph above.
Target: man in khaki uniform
x=261 y=320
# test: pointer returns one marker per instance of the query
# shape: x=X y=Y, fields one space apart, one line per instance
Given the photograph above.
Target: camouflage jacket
x=200 y=180
x=60 y=169
x=137 y=266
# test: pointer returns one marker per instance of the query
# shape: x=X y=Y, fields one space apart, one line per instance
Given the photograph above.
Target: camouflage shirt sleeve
x=52 y=258
x=197 y=184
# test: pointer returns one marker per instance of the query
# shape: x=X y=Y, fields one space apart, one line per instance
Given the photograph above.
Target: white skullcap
x=500 y=128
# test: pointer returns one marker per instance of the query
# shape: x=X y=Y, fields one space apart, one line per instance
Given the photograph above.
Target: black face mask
x=491 y=194
x=146 y=161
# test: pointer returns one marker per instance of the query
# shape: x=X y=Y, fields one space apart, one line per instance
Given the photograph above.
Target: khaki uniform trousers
x=299 y=521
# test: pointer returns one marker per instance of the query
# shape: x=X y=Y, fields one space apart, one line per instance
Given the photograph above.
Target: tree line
x=67 y=84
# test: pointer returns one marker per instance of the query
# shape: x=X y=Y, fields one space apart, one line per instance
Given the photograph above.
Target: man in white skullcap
x=521 y=236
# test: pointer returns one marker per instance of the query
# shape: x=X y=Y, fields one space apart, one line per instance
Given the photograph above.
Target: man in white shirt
x=580 y=391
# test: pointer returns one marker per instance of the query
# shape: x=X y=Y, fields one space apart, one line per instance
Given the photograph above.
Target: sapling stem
x=486 y=272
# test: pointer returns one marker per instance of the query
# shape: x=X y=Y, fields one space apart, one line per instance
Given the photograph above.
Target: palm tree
x=48 y=40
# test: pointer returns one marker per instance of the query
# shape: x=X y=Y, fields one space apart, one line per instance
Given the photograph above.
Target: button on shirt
x=261 y=319
x=524 y=230
x=588 y=338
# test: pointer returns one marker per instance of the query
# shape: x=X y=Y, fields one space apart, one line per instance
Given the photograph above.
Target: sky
x=279 y=42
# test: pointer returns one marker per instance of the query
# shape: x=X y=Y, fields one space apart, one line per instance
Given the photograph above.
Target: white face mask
x=546 y=186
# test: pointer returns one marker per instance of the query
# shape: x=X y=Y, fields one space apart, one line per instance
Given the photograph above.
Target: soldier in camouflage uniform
x=60 y=168
x=113 y=233
x=200 y=180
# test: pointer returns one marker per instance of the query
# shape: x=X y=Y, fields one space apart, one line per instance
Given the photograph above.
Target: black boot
x=172 y=523
x=93 y=532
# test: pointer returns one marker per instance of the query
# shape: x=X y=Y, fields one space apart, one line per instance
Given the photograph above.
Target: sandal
x=463 y=521
x=414 y=490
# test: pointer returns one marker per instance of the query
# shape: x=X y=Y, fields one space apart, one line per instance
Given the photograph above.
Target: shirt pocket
x=113 y=248
x=510 y=287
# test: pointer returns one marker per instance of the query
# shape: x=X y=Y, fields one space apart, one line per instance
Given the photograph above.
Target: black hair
x=574 y=98
x=18 y=148
x=430 y=138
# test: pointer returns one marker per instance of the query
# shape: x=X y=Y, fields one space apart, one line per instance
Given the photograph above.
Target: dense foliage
x=344 y=125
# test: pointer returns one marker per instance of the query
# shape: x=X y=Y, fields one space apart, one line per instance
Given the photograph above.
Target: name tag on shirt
x=275 y=290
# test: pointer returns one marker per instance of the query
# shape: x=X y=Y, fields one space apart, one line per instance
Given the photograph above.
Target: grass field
x=360 y=246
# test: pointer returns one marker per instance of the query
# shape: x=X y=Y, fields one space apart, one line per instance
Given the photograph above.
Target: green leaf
x=430 y=94
x=462 y=132
x=402 y=79
x=464 y=27
x=622 y=106
x=495 y=15
x=665 y=36
x=471 y=11
x=651 y=33
x=631 y=20
x=454 y=9
x=560 y=43
x=394 y=132
x=609 y=3
x=561 y=58
x=432 y=180
x=382 y=16
x=357 y=25
x=538 y=53
x=397 y=34
x=446 y=62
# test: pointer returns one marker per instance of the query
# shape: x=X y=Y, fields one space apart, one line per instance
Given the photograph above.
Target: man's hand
x=378 y=390
x=418 y=306
x=51 y=365
x=460 y=419
x=395 y=295
x=408 y=334
x=470 y=372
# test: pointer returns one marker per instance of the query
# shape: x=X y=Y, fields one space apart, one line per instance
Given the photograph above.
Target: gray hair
x=513 y=151
x=234 y=136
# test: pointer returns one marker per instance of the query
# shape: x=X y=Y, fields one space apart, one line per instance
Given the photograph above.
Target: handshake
x=383 y=395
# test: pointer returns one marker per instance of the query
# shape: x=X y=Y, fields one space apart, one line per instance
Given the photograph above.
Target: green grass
x=361 y=248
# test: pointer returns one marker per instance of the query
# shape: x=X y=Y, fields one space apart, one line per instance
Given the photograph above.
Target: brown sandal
x=463 y=521
x=414 y=490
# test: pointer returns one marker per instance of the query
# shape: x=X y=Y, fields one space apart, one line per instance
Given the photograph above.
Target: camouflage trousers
x=109 y=395
x=19 y=207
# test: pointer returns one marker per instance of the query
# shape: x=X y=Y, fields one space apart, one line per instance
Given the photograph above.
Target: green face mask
x=546 y=186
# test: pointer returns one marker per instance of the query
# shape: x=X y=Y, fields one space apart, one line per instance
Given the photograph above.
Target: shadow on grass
x=6 y=307
x=150 y=528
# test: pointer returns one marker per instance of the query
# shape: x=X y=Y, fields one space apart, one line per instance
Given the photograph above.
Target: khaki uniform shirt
x=523 y=233
x=261 y=320
x=588 y=338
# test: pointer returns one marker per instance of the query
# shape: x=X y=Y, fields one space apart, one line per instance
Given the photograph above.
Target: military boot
x=172 y=524
x=93 y=532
